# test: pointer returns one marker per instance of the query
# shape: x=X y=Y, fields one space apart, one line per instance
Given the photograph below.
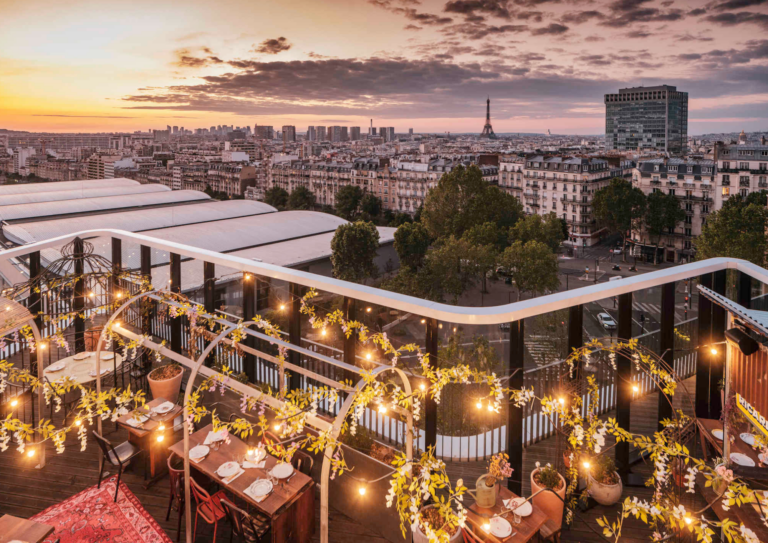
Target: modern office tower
x=175 y=130
x=311 y=133
x=387 y=133
x=410 y=132
x=289 y=133
x=647 y=119
x=354 y=133
x=338 y=133
x=372 y=131
x=321 y=133
x=264 y=132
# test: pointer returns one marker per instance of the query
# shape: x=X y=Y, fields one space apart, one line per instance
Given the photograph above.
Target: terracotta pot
x=167 y=389
x=419 y=537
x=605 y=494
x=92 y=336
x=551 y=505
x=485 y=496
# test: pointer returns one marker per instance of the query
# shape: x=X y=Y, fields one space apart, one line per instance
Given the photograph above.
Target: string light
x=160 y=437
x=42 y=346
x=14 y=403
x=368 y=356
x=247 y=276
x=78 y=422
x=423 y=321
x=277 y=427
x=367 y=309
x=635 y=388
x=688 y=520
x=479 y=405
x=422 y=386
x=561 y=400
x=282 y=307
x=31 y=453
x=91 y=294
x=490 y=406
x=119 y=295
x=382 y=408
x=713 y=351
x=361 y=490
x=586 y=464
x=487 y=527
x=323 y=332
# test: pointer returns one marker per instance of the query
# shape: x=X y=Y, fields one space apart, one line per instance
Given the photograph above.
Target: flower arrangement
x=498 y=468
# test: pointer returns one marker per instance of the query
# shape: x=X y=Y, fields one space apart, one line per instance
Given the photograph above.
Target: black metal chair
x=117 y=456
x=302 y=462
x=249 y=528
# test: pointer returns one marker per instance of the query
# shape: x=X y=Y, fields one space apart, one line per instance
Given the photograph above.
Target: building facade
x=647 y=119
x=289 y=134
x=261 y=132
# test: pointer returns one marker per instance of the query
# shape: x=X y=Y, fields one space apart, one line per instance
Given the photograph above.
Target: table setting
x=229 y=471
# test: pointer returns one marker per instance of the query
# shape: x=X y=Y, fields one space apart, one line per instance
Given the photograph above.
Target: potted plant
x=165 y=381
x=552 y=505
x=486 y=487
x=604 y=482
x=432 y=518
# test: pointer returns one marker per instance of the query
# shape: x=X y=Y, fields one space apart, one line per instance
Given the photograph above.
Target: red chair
x=177 y=491
x=209 y=507
x=471 y=536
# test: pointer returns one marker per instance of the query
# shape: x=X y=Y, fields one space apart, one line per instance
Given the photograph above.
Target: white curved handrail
x=424 y=308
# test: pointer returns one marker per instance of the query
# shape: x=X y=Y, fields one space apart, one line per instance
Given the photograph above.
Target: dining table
x=145 y=434
x=81 y=367
x=19 y=529
x=528 y=528
x=707 y=428
x=291 y=504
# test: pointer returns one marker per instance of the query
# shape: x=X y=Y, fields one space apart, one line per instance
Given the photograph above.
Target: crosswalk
x=542 y=349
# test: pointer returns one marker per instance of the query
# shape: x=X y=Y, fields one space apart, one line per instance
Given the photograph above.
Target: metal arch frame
x=195 y=368
x=443 y=312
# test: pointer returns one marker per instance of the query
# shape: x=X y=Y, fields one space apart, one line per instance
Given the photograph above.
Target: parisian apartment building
x=563 y=185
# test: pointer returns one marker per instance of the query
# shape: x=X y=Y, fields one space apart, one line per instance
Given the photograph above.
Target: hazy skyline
x=426 y=65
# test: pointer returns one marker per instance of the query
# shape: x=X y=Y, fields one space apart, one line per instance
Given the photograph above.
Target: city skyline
x=428 y=65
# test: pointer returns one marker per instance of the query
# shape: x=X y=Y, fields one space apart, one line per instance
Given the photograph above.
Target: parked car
x=617 y=251
x=606 y=321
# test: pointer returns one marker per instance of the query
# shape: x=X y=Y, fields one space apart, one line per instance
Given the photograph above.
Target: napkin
x=232 y=477
x=197 y=460
x=259 y=465
x=258 y=499
x=214 y=436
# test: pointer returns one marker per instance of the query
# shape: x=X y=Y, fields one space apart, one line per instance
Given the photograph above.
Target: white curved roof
x=65 y=185
x=22 y=212
x=136 y=220
x=62 y=195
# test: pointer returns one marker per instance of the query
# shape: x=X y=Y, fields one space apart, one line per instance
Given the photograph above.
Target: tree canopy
x=353 y=249
x=736 y=230
x=463 y=199
x=533 y=266
x=619 y=207
x=348 y=200
x=411 y=243
x=547 y=229
x=662 y=214
x=276 y=197
x=301 y=198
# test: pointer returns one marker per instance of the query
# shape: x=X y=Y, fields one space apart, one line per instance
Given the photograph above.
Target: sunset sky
x=428 y=65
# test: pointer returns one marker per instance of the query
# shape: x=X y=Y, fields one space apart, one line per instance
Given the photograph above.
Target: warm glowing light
x=490 y=407
x=42 y=346
x=423 y=321
x=713 y=351
x=117 y=324
x=367 y=309
x=454 y=330
x=78 y=422
x=586 y=464
x=382 y=408
x=91 y=294
x=31 y=453
x=160 y=438
x=7 y=308
x=119 y=294
x=479 y=405
x=247 y=276
x=688 y=520
x=323 y=332
x=562 y=401
x=161 y=427
x=277 y=427
x=368 y=356
x=362 y=491
x=635 y=388
x=422 y=386
x=14 y=403
x=487 y=527
x=282 y=307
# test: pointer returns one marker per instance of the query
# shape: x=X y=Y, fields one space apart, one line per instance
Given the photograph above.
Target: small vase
x=605 y=494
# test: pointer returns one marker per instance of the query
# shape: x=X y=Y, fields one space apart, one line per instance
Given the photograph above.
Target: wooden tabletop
x=155 y=419
x=523 y=532
x=24 y=530
x=737 y=445
x=283 y=495
x=80 y=370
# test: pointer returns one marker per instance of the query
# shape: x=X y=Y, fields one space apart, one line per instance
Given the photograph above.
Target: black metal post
x=209 y=298
x=623 y=382
x=175 y=277
x=34 y=303
x=515 y=415
x=79 y=296
x=744 y=293
x=249 y=311
x=351 y=341
x=575 y=332
x=718 y=360
x=704 y=357
x=430 y=407
x=667 y=343
x=117 y=268
x=294 y=332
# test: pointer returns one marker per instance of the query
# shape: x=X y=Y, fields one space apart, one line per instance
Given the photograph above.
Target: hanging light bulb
x=382 y=408
x=479 y=405
x=487 y=527
x=91 y=294
x=361 y=490
x=561 y=400
x=277 y=427
x=78 y=422
x=119 y=295
x=368 y=356
x=323 y=332
x=490 y=406
x=635 y=388
x=422 y=386
x=713 y=351
x=160 y=438
x=282 y=307
x=367 y=309
x=31 y=453
x=14 y=403
x=42 y=346
x=586 y=464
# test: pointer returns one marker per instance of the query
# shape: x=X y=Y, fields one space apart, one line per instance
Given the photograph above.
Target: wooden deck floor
x=27 y=491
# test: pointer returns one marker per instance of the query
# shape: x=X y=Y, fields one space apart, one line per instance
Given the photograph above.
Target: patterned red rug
x=93 y=517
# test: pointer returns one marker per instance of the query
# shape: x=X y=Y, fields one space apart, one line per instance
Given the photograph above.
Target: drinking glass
x=516 y=519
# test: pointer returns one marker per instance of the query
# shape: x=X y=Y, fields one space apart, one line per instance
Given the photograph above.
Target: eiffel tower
x=488 y=129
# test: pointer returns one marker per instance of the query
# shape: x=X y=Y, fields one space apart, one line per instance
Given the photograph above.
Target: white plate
x=134 y=423
x=524 y=510
x=82 y=356
x=718 y=434
x=107 y=356
x=260 y=487
x=742 y=460
x=500 y=527
x=201 y=451
x=282 y=470
x=58 y=366
x=163 y=408
x=748 y=438
x=92 y=373
x=763 y=458
x=227 y=469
